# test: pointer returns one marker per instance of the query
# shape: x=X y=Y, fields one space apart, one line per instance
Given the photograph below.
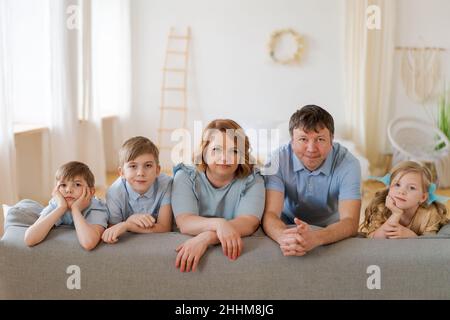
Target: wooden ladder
x=174 y=84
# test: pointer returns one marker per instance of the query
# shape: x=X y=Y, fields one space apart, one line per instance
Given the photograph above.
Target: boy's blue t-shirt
x=96 y=213
x=122 y=201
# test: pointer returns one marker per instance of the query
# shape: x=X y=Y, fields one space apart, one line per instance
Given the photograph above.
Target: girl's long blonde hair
x=373 y=214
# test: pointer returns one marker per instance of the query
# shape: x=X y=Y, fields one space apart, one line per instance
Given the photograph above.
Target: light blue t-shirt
x=123 y=201
x=193 y=193
x=96 y=213
x=313 y=196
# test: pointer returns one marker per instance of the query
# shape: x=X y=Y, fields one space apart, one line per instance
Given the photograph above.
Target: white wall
x=420 y=23
x=231 y=73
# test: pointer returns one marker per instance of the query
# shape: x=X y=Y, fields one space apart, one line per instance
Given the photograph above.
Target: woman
x=219 y=200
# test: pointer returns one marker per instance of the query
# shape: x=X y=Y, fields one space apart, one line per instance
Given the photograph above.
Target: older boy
x=139 y=200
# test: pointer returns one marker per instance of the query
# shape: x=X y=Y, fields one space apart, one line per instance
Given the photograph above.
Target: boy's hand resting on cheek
x=83 y=201
x=60 y=201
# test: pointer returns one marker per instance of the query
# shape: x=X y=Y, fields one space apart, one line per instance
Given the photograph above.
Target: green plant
x=443 y=119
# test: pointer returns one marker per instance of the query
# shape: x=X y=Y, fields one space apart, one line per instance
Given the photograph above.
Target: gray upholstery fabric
x=445 y=231
x=24 y=213
x=143 y=267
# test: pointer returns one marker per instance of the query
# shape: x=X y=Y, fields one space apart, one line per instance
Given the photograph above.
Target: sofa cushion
x=24 y=213
x=142 y=266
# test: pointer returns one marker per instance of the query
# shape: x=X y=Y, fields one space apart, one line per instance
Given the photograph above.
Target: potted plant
x=443 y=118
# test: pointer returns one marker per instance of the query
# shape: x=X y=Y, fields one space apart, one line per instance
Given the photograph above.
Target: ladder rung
x=176 y=52
x=179 y=37
x=174 y=108
x=174 y=89
x=166 y=129
x=174 y=70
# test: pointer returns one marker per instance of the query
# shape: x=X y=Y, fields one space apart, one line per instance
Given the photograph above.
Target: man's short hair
x=73 y=169
x=311 y=117
x=135 y=147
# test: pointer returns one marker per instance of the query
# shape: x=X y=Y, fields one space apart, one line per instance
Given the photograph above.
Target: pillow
x=5 y=208
x=23 y=214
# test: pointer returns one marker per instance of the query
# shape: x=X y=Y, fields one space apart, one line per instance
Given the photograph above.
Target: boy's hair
x=135 y=147
x=235 y=131
x=372 y=214
x=311 y=117
x=73 y=169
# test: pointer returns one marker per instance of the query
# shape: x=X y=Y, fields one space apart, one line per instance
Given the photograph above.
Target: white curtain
x=8 y=184
x=123 y=128
x=91 y=133
x=63 y=113
x=111 y=78
x=369 y=56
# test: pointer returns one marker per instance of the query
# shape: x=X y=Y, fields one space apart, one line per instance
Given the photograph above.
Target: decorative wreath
x=276 y=36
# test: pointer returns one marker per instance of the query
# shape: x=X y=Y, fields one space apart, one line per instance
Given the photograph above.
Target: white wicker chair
x=416 y=140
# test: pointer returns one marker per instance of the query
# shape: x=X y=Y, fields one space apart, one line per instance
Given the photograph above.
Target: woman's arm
x=245 y=225
x=192 y=224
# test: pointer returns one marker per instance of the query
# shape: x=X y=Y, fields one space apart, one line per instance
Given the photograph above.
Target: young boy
x=72 y=204
x=139 y=200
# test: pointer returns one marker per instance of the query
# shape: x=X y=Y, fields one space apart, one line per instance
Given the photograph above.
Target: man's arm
x=346 y=227
x=192 y=224
x=272 y=224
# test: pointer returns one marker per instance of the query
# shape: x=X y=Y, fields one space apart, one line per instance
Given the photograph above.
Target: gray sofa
x=142 y=266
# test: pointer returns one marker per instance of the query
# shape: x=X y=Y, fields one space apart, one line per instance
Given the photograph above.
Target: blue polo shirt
x=96 y=213
x=194 y=194
x=313 y=196
x=123 y=201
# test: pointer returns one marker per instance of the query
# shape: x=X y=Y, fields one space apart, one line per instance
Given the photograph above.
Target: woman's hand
x=190 y=253
x=230 y=239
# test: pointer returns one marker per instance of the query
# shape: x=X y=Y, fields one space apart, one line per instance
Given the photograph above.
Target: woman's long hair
x=234 y=131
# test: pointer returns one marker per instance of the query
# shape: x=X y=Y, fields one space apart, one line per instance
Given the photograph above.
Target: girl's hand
x=230 y=239
x=83 y=201
x=390 y=204
x=190 y=252
x=60 y=201
x=397 y=231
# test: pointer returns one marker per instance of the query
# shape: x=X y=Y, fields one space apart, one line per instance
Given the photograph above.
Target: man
x=317 y=182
